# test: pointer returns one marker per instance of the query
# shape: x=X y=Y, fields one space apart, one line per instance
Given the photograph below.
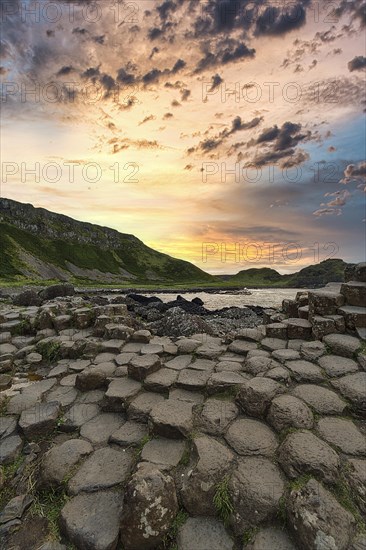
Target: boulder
x=91 y=379
x=60 y=460
x=251 y=438
x=212 y=461
x=140 y=367
x=39 y=420
x=150 y=506
x=172 y=418
x=91 y=521
x=303 y=453
x=27 y=298
x=287 y=411
x=255 y=395
x=56 y=291
x=317 y=520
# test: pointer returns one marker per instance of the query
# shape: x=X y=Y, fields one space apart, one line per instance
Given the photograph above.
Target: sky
x=228 y=133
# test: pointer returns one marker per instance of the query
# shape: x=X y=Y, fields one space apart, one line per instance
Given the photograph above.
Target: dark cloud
x=358 y=63
x=167 y=116
x=185 y=94
x=125 y=77
x=178 y=66
x=216 y=81
x=147 y=119
x=275 y=21
x=65 y=70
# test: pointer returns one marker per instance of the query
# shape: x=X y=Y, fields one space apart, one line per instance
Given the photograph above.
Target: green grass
x=186 y=456
x=222 y=500
x=50 y=351
x=142 y=444
x=8 y=472
x=343 y=494
x=48 y=504
x=170 y=538
x=249 y=535
x=23 y=328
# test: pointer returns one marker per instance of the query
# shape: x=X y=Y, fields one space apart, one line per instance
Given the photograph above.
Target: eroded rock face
x=91 y=521
x=318 y=520
x=213 y=462
x=150 y=505
x=256 y=487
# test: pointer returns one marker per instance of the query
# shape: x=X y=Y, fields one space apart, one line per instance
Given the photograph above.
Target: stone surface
x=91 y=521
x=140 y=367
x=242 y=347
x=10 y=448
x=298 y=328
x=161 y=380
x=194 y=380
x=180 y=362
x=304 y=371
x=283 y=355
x=269 y=538
x=78 y=414
x=212 y=462
x=311 y=351
x=29 y=396
x=353 y=387
x=302 y=453
x=103 y=469
x=322 y=400
x=8 y=425
x=287 y=411
x=216 y=415
x=318 y=520
x=251 y=437
x=15 y=508
x=256 y=395
x=335 y=366
x=222 y=381
x=120 y=392
x=60 y=460
x=356 y=475
x=140 y=407
x=172 y=419
x=64 y=395
x=39 y=420
x=163 y=452
x=344 y=434
x=99 y=429
x=150 y=505
x=256 y=487
x=272 y=344
x=90 y=379
x=202 y=534
x=130 y=434
x=342 y=344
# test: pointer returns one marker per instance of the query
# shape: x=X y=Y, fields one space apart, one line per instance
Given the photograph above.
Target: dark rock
x=39 y=420
x=91 y=379
x=197 y=301
x=27 y=298
x=60 y=460
x=56 y=291
x=172 y=418
x=10 y=449
x=16 y=508
x=150 y=506
x=91 y=522
x=255 y=395
x=204 y=533
x=318 y=520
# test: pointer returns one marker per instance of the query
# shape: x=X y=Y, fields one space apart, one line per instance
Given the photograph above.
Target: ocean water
x=269 y=298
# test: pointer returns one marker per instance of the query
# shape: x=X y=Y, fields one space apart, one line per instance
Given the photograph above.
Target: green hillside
x=328 y=271
x=83 y=252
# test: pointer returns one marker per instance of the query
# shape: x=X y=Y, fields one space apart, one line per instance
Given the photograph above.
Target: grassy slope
x=131 y=255
x=314 y=275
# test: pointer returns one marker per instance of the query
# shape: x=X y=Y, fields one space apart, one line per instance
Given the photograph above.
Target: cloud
x=358 y=63
x=327 y=212
x=147 y=119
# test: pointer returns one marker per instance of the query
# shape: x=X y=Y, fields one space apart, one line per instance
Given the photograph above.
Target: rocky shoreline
x=130 y=423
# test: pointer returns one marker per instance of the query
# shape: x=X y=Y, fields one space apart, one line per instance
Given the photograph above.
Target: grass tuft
x=50 y=351
x=222 y=500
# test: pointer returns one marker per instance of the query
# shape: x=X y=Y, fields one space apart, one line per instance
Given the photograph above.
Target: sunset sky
x=194 y=125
